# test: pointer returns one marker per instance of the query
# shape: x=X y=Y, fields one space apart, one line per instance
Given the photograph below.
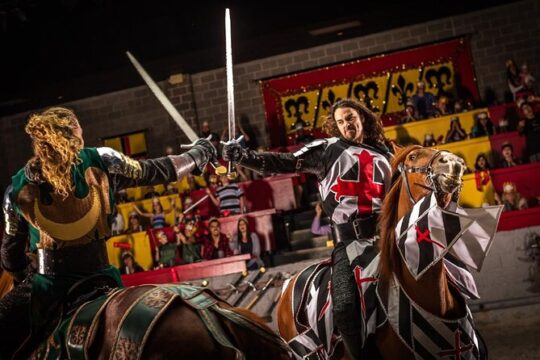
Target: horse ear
x=395 y=147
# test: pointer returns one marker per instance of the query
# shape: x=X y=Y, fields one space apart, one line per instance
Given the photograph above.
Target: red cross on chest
x=365 y=189
x=458 y=350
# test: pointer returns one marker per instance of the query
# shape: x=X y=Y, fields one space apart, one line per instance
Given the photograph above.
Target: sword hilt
x=231 y=173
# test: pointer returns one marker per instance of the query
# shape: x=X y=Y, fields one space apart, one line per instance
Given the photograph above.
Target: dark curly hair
x=372 y=125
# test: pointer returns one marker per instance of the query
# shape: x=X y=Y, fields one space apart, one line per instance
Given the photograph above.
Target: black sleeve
x=308 y=160
x=14 y=238
x=126 y=172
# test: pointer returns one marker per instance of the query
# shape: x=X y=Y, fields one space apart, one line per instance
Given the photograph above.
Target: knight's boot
x=345 y=302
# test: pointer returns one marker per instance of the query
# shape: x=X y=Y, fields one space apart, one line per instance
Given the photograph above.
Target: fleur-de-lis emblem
x=300 y=106
x=367 y=93
x=402 y=90
x=327 y=104
x=439 y=78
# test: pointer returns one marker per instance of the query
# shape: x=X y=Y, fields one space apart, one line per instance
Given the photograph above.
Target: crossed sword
x=179 y=119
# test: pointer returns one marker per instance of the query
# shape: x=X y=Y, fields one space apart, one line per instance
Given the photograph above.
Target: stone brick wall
x=499 y=33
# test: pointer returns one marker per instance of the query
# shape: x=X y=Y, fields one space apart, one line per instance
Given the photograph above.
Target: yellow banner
x=383 y=93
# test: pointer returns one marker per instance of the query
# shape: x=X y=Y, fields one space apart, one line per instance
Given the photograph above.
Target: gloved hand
x=232 y=151
x=202 y=152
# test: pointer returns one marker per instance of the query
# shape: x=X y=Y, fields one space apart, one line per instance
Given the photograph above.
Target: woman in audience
x=157 y=217
x=316 y=227
x=216 y=244
x=247 y=242
x=129 y=265
x=134 y=223
x=456 y=132
x=482 y=125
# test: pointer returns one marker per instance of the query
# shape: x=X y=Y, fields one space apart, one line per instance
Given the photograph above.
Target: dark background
x=62 y=50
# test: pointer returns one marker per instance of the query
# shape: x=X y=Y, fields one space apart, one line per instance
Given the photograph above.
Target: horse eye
x=412 y=157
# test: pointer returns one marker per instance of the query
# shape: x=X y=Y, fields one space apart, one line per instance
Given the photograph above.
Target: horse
x=417 y=172
x=187 y=322
x=6 y=283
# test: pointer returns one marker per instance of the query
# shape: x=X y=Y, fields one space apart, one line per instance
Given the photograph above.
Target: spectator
x=456 y=132
x=316 y=227
x=171 y=189
x=423 y=101
x=482 y=125
x=410 y=114
x=230 y=198
x=190 y=183
x=531 y=129
x=166 y=251
x=482 y=175
x=188 y=241
x=527 y=80
x=151 y=192
x=512 y=77
x=508 y=160
x=247 y=242
x=122 y=197
x=511 y=198
x=134 y=224
x=301 y=136
x=117 y=224
x=157 y=217
x=429 y=140
x=458 y=107
x=216 y=244
x=129 y=265
x=206 y=132
x=441 y=107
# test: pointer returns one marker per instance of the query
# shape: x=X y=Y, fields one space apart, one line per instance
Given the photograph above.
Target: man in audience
x=216 y=244
x=508 y=159
x=316 y=227
x=230 y=198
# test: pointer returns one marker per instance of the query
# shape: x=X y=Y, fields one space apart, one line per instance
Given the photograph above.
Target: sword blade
x=195 y=204
x=230 y=80
x=162 y=98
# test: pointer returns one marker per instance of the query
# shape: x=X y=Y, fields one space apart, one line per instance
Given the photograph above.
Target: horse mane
x=388 y=218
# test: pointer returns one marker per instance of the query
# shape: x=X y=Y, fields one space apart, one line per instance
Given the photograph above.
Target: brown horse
x=180 y=332
x=421 y=169
x=6 y=283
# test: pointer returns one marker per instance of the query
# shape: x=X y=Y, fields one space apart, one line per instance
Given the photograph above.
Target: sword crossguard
x=231 y=173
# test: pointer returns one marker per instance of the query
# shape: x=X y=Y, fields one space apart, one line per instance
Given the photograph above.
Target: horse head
x=417 y=171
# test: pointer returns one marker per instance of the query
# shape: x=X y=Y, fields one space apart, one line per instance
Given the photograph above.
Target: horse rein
x=428 y=170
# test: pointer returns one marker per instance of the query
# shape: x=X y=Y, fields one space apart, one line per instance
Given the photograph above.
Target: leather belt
x=358 y=229
x=85 y=258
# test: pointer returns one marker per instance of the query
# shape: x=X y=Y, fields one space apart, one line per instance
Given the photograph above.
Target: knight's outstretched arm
x=308 y=159
x=14 y=239
x=127 y=172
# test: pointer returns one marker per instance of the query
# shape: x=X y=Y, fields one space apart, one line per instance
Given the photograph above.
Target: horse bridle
x=428 y=170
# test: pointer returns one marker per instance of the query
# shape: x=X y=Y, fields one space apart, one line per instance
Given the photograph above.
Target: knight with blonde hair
x=60 y=206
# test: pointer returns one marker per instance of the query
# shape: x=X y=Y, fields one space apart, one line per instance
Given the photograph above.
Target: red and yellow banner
x=132 y=144
x=382 y=82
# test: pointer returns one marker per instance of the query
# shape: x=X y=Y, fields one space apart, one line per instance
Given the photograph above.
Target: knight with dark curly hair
x=354 y=174
x=60 y=207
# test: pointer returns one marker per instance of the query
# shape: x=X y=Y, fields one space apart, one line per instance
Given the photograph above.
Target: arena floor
x=511 y=333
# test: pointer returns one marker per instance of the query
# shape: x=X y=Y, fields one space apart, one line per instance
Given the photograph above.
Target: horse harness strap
x=83 y=325
x=139 y=320
x=428 y=336
x=428 y=170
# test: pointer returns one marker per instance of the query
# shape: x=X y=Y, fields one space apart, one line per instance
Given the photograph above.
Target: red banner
x=383 y=83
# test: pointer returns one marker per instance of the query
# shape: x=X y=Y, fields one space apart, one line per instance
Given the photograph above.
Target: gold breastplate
x=71 y=221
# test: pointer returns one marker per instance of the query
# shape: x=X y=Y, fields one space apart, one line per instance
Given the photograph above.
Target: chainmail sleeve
x=126 y=172
x=14 y=237
x=307 y=160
